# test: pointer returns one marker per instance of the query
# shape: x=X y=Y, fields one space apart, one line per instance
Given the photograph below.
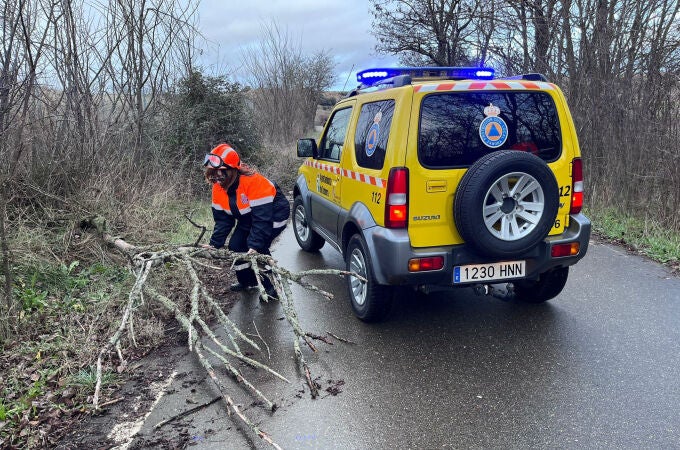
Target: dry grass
x=279 y=162
x=69 y=291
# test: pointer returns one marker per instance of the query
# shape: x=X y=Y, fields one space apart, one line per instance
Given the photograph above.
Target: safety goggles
x=213 y=161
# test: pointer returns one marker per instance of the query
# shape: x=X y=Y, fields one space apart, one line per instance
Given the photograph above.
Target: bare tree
x=78 y=85
x=147 y=38
x=432 y=32
x=617 y=61
x=287 y=85
x=25 y=28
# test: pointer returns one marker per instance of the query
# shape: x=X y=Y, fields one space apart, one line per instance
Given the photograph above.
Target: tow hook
x=481 y=289
x=501 y=291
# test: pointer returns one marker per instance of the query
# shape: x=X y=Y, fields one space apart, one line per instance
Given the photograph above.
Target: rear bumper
x=391 y=251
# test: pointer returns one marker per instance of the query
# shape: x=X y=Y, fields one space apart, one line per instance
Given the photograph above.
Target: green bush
x=205 y=111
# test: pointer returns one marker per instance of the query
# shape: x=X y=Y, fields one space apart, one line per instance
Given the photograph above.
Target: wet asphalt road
x=597 y=367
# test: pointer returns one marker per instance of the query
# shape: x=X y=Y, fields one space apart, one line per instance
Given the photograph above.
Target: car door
x=325 y=203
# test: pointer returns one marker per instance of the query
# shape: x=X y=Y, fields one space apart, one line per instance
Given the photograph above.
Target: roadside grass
x=69 y=293
x=279 y=163
x=645 y=236
x=184 y=232
x=65 y=312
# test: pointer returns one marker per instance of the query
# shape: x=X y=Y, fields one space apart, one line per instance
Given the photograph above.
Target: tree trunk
x=6 y=309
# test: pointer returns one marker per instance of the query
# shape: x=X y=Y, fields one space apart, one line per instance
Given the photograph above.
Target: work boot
x=237 y=287
x=269 y=289
x=245 y=279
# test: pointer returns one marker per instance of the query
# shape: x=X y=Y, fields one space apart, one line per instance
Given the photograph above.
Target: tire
x=506 y=203
x=308 y=239
x=370 y=301
x=549 y=285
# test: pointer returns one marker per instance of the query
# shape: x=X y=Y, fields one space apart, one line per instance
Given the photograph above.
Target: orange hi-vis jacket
x=257 y=204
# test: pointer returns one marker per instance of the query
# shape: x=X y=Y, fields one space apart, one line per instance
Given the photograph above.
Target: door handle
x=435 y=186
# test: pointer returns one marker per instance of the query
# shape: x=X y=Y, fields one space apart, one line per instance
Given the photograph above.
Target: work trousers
x=238 y=243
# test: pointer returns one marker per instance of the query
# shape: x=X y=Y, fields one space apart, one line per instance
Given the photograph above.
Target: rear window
x=456 y=129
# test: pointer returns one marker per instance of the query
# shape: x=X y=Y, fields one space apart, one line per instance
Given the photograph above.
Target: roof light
x=373 y=76
x=485 y=73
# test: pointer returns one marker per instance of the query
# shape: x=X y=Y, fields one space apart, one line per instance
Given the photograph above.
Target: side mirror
x=306 y=148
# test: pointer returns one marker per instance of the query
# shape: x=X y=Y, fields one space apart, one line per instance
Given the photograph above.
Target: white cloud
x=340 y=26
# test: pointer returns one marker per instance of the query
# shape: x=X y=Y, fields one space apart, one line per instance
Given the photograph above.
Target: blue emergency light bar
x=371 y=77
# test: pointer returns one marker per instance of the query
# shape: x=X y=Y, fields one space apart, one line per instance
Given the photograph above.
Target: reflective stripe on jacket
x=253 y=200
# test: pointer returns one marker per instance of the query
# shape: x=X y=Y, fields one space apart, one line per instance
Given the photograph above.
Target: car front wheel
x=308 y=239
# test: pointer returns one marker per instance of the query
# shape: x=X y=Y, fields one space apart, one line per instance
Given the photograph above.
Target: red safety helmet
x=222 y=156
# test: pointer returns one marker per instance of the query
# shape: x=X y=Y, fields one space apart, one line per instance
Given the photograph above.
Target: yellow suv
x=444 y=177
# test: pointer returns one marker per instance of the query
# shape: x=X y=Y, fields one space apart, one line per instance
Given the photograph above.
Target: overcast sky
x=341 y=26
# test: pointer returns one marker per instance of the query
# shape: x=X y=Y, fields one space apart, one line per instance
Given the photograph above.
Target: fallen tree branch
x=134 y=295
x=227 y=323
x=197 y=346
x=292 y=318
x=184 y=321
x=240 y=379
x=143 y=260
x=228 y=401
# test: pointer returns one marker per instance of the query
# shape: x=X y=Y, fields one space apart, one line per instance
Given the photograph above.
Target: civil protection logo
x=372 y=136
x=493 y=131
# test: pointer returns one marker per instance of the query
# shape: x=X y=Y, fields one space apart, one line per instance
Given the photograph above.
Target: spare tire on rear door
x=506 y=203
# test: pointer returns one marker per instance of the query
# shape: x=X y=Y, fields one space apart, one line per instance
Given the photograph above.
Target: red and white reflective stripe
x=484 y=85
x=324 y=167
x=368 y=179
x=363 y=178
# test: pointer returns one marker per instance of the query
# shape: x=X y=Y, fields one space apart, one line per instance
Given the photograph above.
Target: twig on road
x=269 y=355
x=341 y=339
x=187 y=412
x=319 y=338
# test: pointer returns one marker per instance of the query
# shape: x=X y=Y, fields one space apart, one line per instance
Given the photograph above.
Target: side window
x=334 y=139
x=373 y=129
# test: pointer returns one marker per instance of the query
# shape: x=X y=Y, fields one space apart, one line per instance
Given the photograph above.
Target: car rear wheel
x=371 y=301
x=308 y=239
x=548 y=285
x=506 y=203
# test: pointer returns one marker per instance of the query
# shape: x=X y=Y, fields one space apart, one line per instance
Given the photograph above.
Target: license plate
x=488 y=272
